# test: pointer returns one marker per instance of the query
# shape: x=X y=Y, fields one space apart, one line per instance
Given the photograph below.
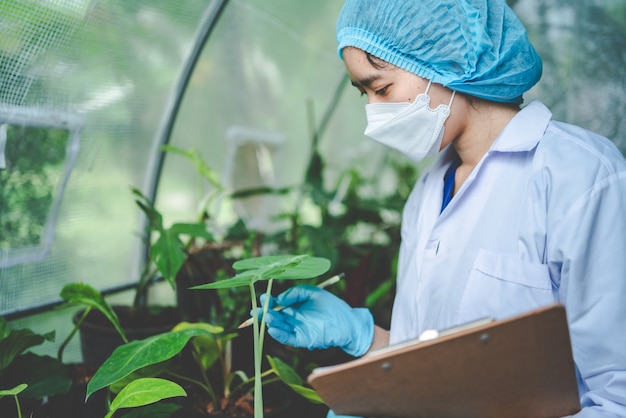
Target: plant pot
x=98 y=338
x=204 y=265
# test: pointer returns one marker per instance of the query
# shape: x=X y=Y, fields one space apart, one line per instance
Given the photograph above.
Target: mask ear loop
x=451 y=98
x=428 y=87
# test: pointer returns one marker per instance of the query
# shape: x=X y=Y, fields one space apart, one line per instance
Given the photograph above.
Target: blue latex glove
x=331 y=414
x=314 y=318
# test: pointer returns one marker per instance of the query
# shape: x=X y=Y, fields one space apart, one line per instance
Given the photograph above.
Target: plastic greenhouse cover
x=111 y=69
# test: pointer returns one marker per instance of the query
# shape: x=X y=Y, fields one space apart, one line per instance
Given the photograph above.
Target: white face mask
x=414 y=129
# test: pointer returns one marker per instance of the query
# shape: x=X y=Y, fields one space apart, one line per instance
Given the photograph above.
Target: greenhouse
x=151 y=150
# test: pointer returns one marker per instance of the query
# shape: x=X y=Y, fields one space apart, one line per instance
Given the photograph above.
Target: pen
x=322 y=285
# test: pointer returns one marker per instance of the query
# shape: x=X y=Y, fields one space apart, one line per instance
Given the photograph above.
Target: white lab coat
x=541 y=219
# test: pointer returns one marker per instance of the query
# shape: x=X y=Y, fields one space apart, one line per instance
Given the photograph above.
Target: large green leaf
x=17 y=341
x=281 y=267
x=144 y=392
x=278 y=267
x=84 y=294
x=141 y=353
x=241 y=279
x=45 y=376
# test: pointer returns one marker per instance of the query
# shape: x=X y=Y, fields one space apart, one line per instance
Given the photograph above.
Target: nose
x=373 y=98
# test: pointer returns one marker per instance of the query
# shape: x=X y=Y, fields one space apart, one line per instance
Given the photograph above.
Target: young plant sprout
x=267 y=268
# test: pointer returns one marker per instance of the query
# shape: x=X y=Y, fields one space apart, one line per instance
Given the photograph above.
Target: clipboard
x=520 y=367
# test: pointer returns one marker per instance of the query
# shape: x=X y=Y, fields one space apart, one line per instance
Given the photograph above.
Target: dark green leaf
x=284 y=371
x=141 y=353
x=84 y=294
x=168 y=255
x=45 y=376
x=289 y=376
x=307 y=393
x=17 y=342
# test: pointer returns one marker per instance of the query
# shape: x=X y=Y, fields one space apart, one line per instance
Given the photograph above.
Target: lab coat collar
x=521 y=134
x=525 y=130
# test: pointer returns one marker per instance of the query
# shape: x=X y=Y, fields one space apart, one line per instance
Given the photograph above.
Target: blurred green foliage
x=35 y=159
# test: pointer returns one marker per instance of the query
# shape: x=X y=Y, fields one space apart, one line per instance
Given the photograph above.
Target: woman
x=518 y=211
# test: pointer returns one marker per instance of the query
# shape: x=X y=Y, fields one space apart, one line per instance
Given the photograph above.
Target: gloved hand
x=331 y=414
x=314 y=318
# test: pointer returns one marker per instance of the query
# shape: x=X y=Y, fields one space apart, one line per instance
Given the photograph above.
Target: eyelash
x=379 y=92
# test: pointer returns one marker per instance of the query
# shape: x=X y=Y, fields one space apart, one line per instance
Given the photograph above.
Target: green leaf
x=134 y=355
x=168 y=255
x=18 y=341
x=45 y=376
x=206 y=346
x=155 y=410
x=307 y=393
x=242 y=279
x=192 y=229
x=201 y=167
x=153 y=370
x=284 y=371
x=13 y=391
x=279 y=267
x=289 y=376
x=144 y=392
x=200 y=326
x=154 y=217
x=4 y=328
x=84 y=294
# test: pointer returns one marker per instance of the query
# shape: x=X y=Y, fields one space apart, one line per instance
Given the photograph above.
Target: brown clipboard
x=521 y=367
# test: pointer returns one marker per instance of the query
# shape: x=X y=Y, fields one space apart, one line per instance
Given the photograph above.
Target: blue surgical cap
x=477 y=47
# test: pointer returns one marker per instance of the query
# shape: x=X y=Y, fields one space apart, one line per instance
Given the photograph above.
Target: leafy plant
x=24 y=374
x=268 y=268
x=169 y=246
x=81 y=294
x=163 y=356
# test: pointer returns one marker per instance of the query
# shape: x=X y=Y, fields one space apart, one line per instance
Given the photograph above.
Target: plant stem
x=144 y=281
x=207 y=388
x=19 y=410
x=258 y=387
x=71 y=334
x=268 y=293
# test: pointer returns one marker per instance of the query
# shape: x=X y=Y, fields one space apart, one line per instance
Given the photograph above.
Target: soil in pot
x=98 y=338
x=276 y=400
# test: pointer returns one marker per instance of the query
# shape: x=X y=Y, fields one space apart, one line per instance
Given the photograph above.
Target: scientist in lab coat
x=518 y=212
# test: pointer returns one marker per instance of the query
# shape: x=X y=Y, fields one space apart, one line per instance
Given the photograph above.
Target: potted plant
x=163 y=356
x=169 y=248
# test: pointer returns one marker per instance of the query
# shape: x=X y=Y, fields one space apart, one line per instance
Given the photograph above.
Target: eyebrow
x=366 y=82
